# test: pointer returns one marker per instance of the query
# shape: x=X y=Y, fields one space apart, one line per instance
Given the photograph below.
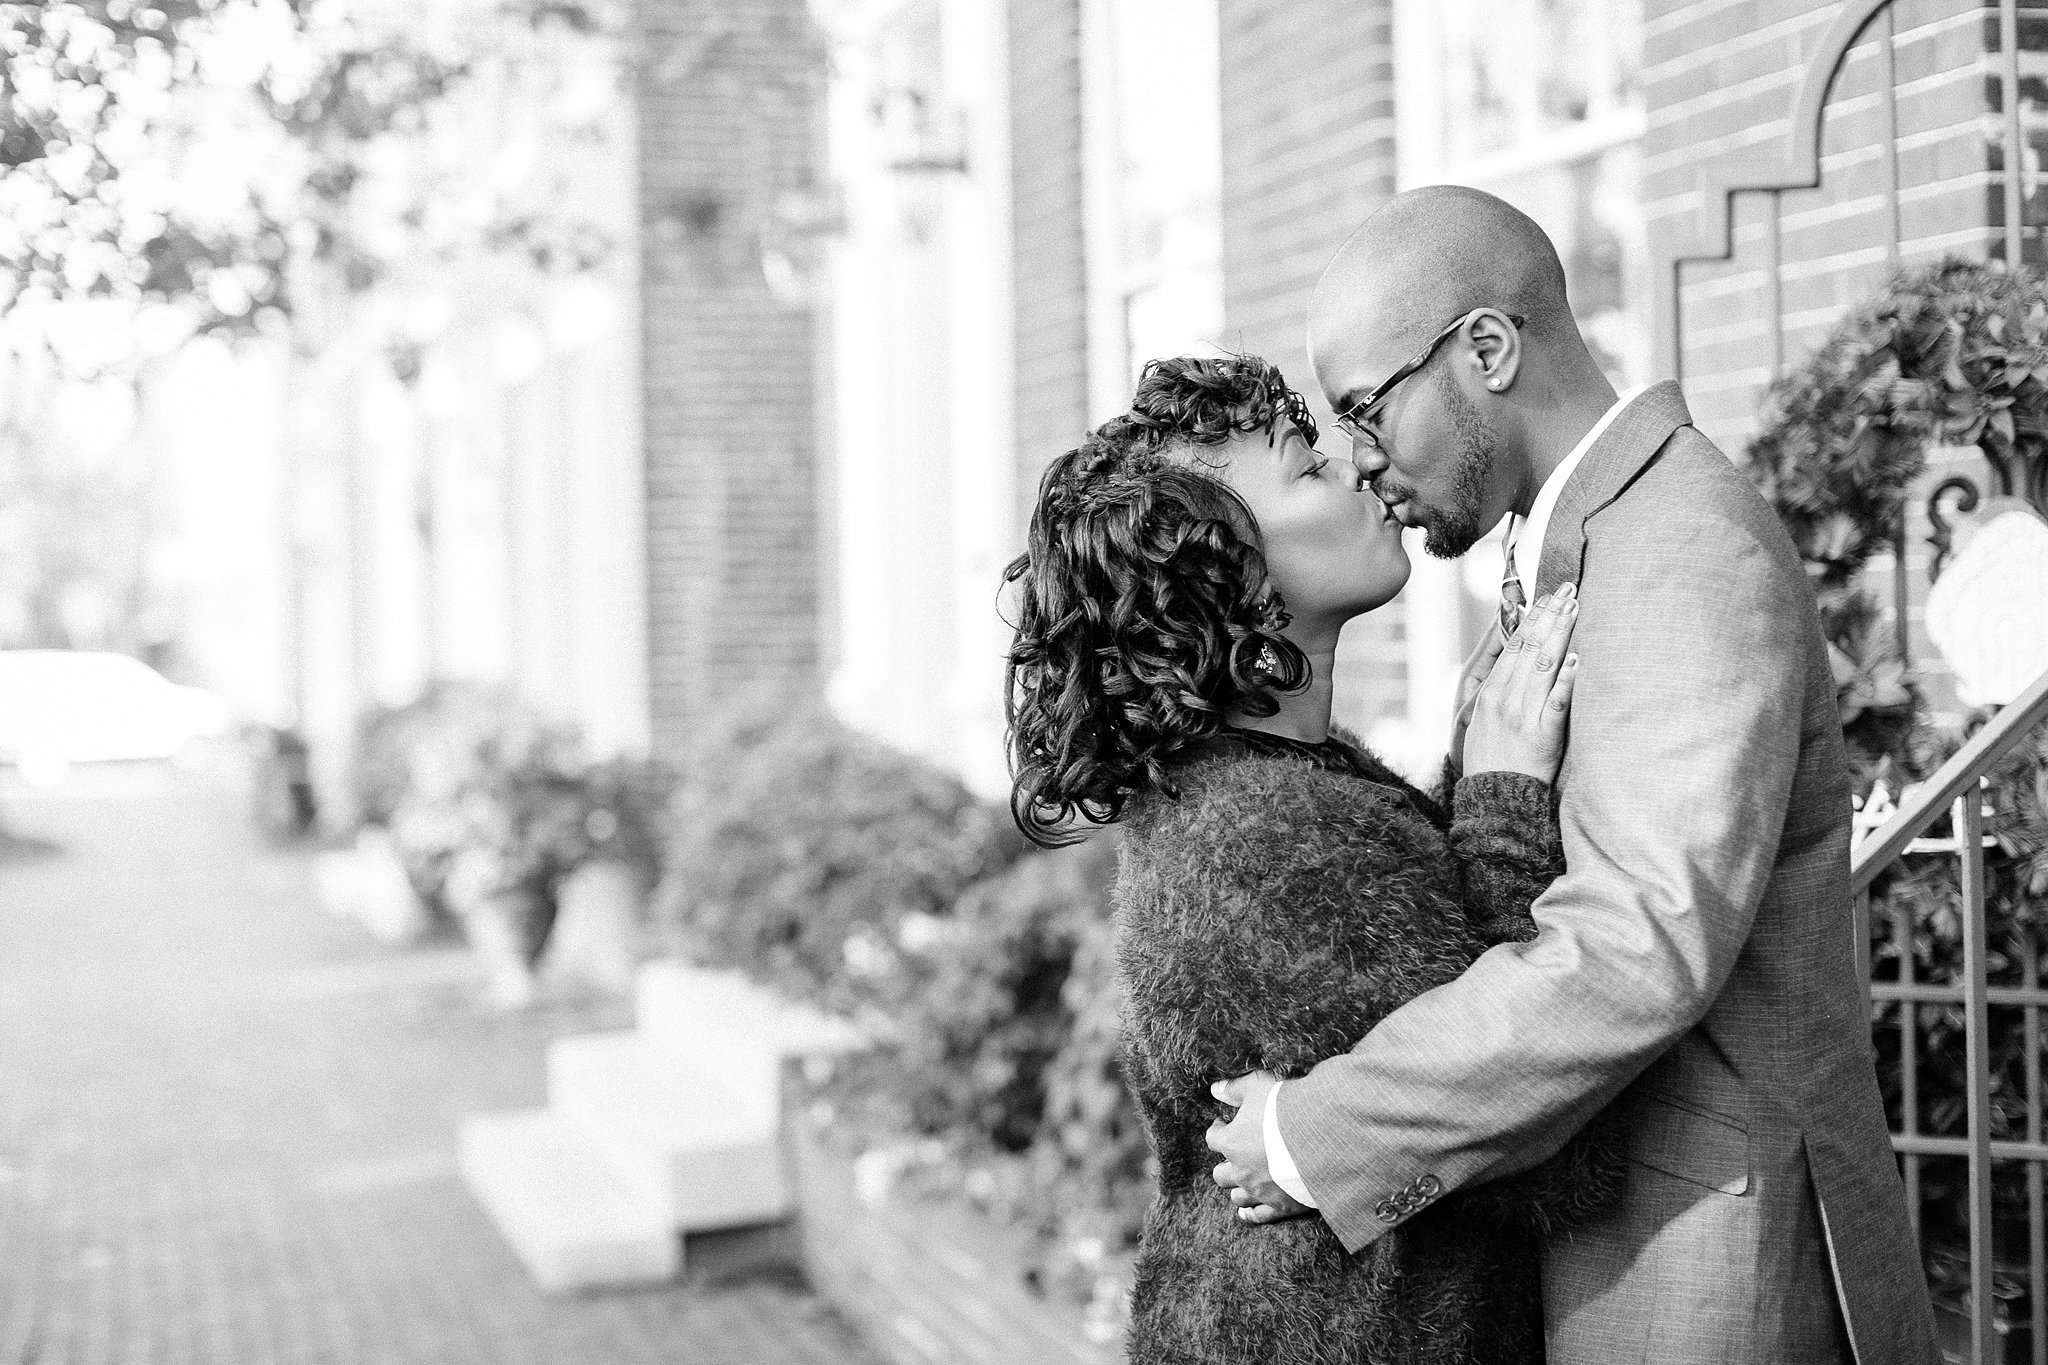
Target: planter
x=385 y=902
x=596 y=939
x=336 y=884
x=507 y=926
x=927 y=1281
x=368 y=884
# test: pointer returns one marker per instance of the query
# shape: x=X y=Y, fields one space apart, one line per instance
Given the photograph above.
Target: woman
x=1279 y=889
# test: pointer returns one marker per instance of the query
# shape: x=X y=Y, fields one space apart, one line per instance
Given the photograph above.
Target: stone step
x=699 y=1135
x=701 y=1011
x=573 y=1218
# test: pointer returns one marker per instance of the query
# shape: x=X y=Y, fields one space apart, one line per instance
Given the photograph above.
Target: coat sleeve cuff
x=1509 y=821
x=1279 y=1161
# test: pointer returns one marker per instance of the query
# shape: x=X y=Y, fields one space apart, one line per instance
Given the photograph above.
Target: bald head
x=1425 y=258
x=1463 y=425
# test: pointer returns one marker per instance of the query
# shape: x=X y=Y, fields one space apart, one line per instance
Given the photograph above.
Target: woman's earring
x=1269 y=662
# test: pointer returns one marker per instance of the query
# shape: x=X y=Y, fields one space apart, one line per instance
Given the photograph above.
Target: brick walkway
x=227 y=1124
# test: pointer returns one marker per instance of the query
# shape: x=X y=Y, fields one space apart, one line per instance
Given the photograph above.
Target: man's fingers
x=1231 y=1092
x=1226 y=1175
x=1242 y=1197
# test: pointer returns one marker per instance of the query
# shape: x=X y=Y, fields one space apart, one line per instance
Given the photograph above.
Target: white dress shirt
x=1530 y=530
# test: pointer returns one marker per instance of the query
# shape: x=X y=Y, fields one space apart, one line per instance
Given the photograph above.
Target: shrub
x=476 y=785
x=520 y=801
x=846 y=873
x=626 y=813
x=1008 y=1063
x=1091 y=1173
x=814 y=858
x=413 y=763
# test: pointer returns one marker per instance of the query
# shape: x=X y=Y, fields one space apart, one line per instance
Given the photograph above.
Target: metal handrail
x=1930 y=800
x=1954 y=791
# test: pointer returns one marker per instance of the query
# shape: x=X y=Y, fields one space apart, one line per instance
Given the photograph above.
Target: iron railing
x=1955 y=793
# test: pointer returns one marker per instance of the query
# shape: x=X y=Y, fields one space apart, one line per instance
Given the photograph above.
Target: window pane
x=1514 y=74
x=1591 y=210
x=1170 y=177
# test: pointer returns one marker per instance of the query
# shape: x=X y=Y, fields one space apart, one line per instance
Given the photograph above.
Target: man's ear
x=1496 y=349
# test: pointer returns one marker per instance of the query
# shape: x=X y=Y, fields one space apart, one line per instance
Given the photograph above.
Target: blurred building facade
x=466 y=466
x=1177 y=175
x=1141 y=178
x=877 y=261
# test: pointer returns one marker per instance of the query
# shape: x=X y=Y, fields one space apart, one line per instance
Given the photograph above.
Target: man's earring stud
x=1493 y=383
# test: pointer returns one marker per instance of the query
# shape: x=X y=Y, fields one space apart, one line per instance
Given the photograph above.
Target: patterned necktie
x=1512 y=599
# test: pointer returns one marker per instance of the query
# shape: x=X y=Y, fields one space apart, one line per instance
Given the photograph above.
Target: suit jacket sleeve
x=1684 y=740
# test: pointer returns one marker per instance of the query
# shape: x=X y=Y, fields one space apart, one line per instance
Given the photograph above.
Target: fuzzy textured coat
x=1267 y=919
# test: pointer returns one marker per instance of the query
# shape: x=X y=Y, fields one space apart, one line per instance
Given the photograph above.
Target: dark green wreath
x=1955 y=354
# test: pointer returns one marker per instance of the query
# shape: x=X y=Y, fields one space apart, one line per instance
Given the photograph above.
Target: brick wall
x=1047 y=243
x=1722 y=78
x=1308 y=153
x=728 y=102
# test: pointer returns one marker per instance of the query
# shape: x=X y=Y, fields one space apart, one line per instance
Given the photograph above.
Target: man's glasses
x=1352 y=420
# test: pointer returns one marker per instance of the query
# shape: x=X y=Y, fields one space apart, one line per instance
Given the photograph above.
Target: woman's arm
x=1505 y=836
x=1504 y=829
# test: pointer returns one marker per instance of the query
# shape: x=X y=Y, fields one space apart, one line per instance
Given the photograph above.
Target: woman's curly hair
x=1145 y=615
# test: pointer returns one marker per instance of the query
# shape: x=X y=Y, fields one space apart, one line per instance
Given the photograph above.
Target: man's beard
x=1453 y=527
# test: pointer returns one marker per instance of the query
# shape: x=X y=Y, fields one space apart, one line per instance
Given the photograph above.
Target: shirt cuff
x=1279 y=1161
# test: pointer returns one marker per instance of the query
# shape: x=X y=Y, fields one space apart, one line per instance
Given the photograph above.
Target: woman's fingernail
x=1568 y=590
x=1571 y=661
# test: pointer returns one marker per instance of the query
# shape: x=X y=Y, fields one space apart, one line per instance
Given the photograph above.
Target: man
x=1695 y=963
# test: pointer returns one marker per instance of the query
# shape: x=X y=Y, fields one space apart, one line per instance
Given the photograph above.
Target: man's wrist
x=1279 y=1161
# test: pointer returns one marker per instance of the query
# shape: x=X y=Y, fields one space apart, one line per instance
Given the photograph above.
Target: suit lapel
x=1637 y=432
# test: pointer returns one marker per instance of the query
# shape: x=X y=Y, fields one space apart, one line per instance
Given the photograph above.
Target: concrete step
x=699 y=1136
x=573 y=1218
x=702 y=1011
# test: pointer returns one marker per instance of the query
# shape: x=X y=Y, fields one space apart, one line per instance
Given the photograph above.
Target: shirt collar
x=1531 y=529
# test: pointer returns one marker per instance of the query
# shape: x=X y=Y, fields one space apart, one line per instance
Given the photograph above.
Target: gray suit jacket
x=1694 y=964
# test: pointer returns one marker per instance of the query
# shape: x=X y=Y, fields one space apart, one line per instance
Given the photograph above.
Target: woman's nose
x=1369 y=461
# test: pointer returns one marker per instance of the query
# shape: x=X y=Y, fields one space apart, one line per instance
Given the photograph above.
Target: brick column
x=1047 y=242
x=1720 y=82
x=1308 y=154
x=729 y=102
